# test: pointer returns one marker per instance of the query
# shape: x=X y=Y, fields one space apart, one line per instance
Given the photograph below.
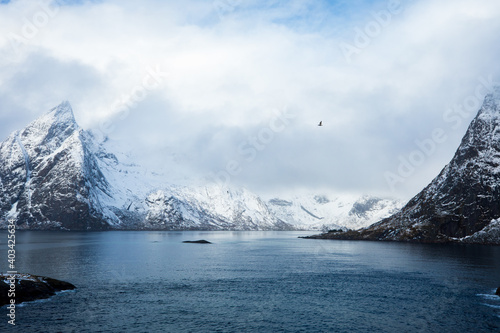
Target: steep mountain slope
x=463 y=202
x=210 y=208
x=48 y=177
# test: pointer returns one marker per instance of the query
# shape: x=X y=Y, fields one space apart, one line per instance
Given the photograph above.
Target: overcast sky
x=234 y=90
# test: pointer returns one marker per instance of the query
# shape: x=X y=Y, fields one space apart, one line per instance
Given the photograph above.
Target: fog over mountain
x=202 y=84
x=56 y=176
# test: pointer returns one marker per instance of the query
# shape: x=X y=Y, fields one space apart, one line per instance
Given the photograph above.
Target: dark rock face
x=201 y=241
x=498 y=291
x=30 y=287
x=279 y=202
x=321 y=199
x=360 y=208
x=461 y=201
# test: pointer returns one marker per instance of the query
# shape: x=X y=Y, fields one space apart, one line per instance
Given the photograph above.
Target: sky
x=232 y=91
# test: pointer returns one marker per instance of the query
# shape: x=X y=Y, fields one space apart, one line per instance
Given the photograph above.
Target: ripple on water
x=491 y=301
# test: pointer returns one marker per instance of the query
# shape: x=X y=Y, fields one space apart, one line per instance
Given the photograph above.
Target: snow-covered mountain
x=48 y=176
x=55 y=175
x=324 y=212
x=463 y=202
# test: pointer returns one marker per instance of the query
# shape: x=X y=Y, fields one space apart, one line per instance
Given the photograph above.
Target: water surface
x=255 y=282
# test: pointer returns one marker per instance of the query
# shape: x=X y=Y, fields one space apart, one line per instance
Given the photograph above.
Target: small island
x=201 y=241
x=18 y=288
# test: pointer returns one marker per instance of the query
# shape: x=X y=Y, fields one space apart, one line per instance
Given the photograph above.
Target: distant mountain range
x=312 y=211
x=56 y=176
x=462 y=204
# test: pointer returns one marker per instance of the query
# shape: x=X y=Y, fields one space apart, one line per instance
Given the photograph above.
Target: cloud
x=227 y=66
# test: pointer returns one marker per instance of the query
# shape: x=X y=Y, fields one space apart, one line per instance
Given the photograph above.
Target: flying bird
x=320 y=123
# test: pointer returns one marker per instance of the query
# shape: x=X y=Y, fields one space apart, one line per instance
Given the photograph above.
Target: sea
x=149 y=281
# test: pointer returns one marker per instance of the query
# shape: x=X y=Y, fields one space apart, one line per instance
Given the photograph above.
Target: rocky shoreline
x=26 y=287
x=371 y=235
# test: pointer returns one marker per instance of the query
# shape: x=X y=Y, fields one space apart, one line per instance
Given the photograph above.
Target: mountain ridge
x=462 y=204
x=55 y=175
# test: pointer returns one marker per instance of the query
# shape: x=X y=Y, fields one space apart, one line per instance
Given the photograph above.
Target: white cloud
x=229 y=67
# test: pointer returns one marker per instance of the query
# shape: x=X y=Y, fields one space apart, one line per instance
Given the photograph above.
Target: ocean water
x=254 y=282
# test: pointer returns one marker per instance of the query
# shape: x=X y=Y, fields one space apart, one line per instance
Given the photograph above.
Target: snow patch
x=489 y=234
x=12 y=213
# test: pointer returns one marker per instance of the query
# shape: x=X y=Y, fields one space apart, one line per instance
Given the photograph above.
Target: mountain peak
x=496 y=92
x=50 y=129
x=462 y=201
x=60 y=117
x=491 y=105
x=62 y=113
